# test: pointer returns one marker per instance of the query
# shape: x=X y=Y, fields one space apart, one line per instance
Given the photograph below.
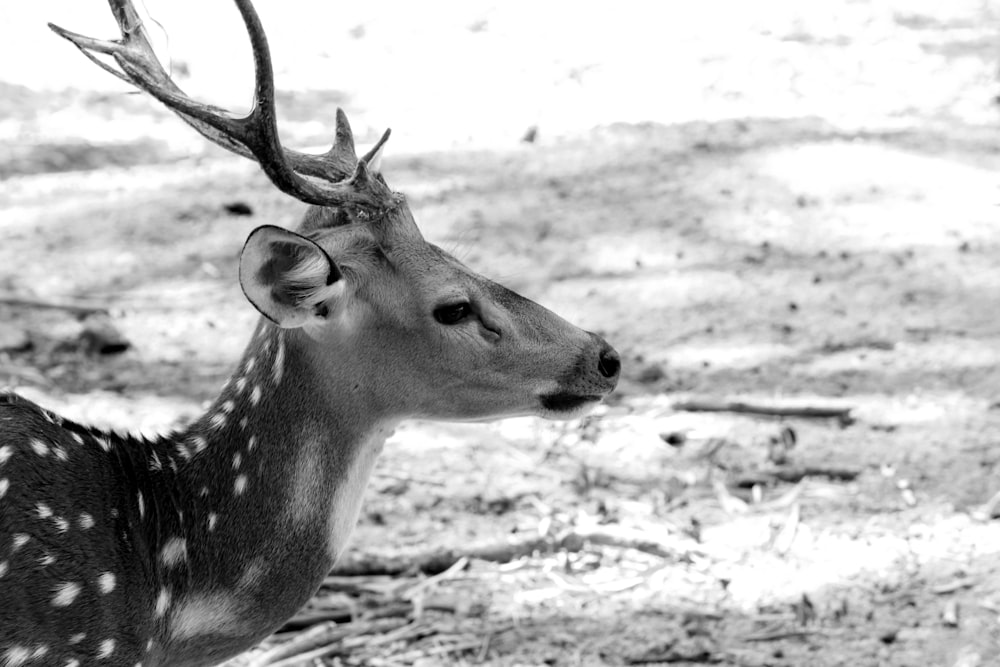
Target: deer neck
x=268 y=488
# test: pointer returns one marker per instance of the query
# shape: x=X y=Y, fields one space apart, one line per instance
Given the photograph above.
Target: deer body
x=205 y=541
x=187 y=549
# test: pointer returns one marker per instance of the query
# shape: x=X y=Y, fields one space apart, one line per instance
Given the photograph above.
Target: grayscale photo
x=501 y=334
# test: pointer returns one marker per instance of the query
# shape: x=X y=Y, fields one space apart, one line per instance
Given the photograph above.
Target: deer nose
x=609 y=363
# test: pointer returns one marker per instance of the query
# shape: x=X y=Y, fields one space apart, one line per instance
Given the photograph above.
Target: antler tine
x=255 y=135
x=343 y=142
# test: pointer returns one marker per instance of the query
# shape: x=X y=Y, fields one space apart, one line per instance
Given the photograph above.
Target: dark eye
x=453 y=313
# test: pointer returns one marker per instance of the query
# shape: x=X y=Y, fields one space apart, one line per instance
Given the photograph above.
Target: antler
x=344 y=178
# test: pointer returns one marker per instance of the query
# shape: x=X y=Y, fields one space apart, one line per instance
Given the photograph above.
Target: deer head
x=376 y=309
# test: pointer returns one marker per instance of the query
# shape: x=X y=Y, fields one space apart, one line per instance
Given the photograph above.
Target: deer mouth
x=566 y=402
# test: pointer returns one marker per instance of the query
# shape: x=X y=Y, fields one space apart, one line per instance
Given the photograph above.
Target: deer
x=189 y=548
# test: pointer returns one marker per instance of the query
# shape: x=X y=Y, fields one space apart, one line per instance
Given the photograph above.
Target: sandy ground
x=787 y=204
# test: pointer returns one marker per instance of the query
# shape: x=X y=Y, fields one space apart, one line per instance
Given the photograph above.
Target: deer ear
x=287 y=277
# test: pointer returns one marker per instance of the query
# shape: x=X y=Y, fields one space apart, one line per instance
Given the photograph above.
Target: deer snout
x=609 y=364
x=601 y=370
x=596 y=369
x=593 y=377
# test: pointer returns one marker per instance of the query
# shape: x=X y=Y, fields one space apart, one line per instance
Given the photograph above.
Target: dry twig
x=438 y=561
x=795 y=474
x=781 y=634
x=328 y=637
x=75 y=308
x=746 y=407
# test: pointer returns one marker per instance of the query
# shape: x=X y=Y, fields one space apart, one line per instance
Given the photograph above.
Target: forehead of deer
x=388 y=222
x=358 y=250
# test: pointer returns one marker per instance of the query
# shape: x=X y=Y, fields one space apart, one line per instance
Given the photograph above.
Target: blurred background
x=783 y=215
x=450 y=74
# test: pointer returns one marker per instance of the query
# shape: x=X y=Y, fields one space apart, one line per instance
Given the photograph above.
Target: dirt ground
x=788 y=258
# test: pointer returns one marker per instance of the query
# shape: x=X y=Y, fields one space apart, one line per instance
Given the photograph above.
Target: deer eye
x=452 y=313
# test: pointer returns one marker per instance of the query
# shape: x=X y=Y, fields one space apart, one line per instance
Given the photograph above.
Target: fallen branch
x=795 y=474
x=76 y=308
x=573 y=540
x=443 y=649
x=421 y=586
x=781 y=634
x=435 y=562
x=953 y=586
x=309 y=657
x=314 y=617
x=745 y=407
x=626 y=538
x=327 y=637
x=304 y=641
x=359 y=585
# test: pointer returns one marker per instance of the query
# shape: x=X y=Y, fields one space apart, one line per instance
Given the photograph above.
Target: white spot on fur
x=77 y=438
x=44 y=511
x=228 y=407
x=142 y=505
x=162 y=602
x=212 y=518
x=86 y=521
x=173 y=552
x=240 y=485
x=252 y=575
x=61 y=454
x=154 y=462
x=149 y=645
x=20 y=539
x=39 y=447
x=16 y=656
x=183 y=451
x=241 y=385
x=77 y=638
x=255 y=394
x=279 y=359
x=40 y=651
x=4 y=485
x=203 y=614
x=106 y=648
x=3 y=568
x=5 y=453
x=46 y=560
x=103 y=443
x=203 y=491
x=218 y=420
x=65 y=593
x=243 y=422
x=73 y=662
x=62 y=525
x=237 y=460
x=199 y=443
x=106 y=583
x=251 y=443
x=251 y=362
